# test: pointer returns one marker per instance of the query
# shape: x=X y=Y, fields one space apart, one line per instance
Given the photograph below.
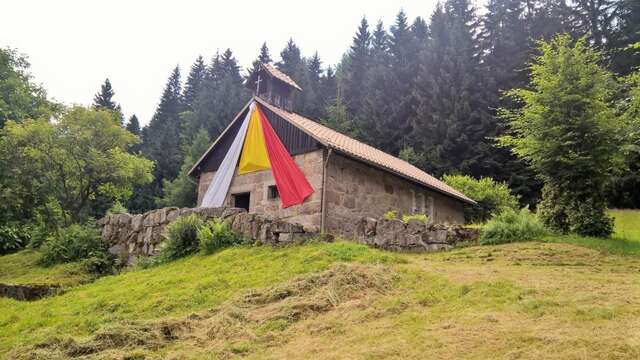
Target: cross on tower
x=258 y=85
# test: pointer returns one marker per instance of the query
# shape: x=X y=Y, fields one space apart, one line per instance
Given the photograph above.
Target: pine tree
x=104 y=100
x=370 y=124
x=162 y=135
x=507 y=46
x=400 y=82
x=194 y=83
x=221 y=97
x=182 y=191
x=596 y=19
x=625 y=58
x=451 y=114
x=263 y=58
x=355 y=69
x=133 y=126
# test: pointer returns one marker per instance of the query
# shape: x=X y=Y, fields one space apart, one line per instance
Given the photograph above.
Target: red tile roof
x=361 y=151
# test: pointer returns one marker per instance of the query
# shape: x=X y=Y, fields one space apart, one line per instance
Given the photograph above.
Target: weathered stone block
x=136 y=222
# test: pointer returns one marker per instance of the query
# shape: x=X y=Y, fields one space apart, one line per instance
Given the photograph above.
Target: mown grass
x=178 y=288
x=23 y=268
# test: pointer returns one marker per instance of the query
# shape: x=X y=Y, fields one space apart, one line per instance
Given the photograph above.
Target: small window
x=242 y=200
x=272 y=192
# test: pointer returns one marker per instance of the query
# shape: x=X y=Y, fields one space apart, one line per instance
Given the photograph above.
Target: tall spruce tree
x=133 y=126
x=355 y=69
x=221 y=97
x=161 y=138
x=263 y=58
x=451 y=119
x=506 y=45
x=194 y=83
x=370 y=124
x=625 y=57
x=104 y=100
x=182 y=191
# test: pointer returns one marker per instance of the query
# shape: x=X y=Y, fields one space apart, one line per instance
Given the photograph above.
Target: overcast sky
x=74 y=45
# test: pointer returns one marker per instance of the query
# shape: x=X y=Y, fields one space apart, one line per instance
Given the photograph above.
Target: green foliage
x=12 y=238
x=492 y=197
x=73 y=243
x=216 y=234
x=72 y=165
x=20 y=98
x=568 y=132
x=182 y=191
x=181 y=238
x=420 y=217
x=390 y=215
x=117 y=208
x=512 y=226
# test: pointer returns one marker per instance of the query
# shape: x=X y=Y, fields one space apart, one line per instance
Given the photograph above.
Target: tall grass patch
x=511 y=226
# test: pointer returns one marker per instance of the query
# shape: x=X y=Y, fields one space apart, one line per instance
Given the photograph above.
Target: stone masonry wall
x=415 y=235
x=356 y=190
x=257 y=184
x=141 y=234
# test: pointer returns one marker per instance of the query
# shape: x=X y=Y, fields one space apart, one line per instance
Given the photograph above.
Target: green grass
x=23 y=268
x=627 y=224
x=175 y=289
x=624 y=241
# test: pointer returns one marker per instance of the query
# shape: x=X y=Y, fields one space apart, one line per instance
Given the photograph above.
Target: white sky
x=74 y=45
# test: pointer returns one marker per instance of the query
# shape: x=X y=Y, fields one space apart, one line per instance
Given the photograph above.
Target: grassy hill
x=344 y=300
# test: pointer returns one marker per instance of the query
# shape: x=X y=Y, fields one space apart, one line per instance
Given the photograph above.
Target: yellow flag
x=254 y=152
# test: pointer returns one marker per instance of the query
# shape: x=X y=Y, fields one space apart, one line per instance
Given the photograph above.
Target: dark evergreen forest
x=426 y=89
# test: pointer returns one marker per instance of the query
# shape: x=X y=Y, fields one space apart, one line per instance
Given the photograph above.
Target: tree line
x=425 y=90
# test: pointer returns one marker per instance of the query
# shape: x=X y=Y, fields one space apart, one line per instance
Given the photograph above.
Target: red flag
x=292 y=186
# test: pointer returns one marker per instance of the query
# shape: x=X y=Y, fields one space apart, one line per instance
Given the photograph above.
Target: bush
x=564 y=212
x=420 y=217
x=73 y=243
x=390 y=215
x=12 y=238
x=216 y=234
x=117 y=208
x=492 y=197
x=181 y=237
x=512 y=226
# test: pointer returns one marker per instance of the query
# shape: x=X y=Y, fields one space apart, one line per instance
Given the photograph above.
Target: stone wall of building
x=141 y=234
x=257 y=184
x=356 y=190
x=414 y=235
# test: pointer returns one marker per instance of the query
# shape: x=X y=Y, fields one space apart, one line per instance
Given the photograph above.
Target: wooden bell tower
x=273 y=86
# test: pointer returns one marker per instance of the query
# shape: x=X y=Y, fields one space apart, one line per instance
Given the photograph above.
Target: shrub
x=117 y=208
x=73 y=243
x=420 y=217
x=12 y=238
x=100 y=263
x=390 y=215
x=565 y=212
x=492 y=197
x=512 y=226
x=216 y=234
x=181 y=237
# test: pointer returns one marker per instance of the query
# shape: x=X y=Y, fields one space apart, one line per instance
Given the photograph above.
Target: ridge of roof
x=273 y=71
x=361 y=151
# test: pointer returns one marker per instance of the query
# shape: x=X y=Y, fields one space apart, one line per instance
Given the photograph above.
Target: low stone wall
x=414 y=235
x=27 y=292
x=141 y=234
